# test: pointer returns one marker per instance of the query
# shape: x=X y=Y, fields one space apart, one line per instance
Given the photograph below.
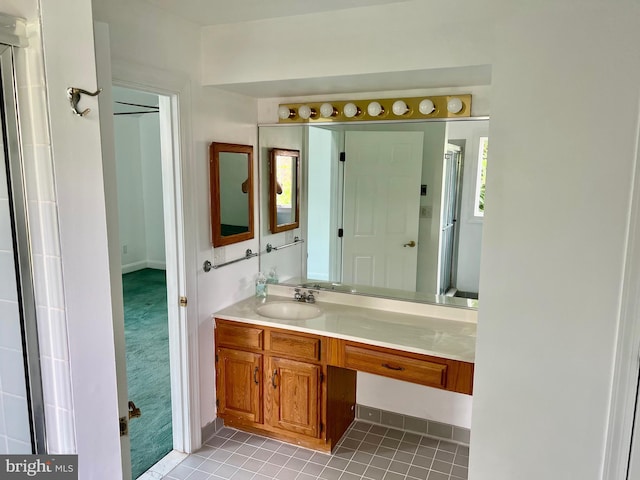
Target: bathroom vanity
x=294 y=378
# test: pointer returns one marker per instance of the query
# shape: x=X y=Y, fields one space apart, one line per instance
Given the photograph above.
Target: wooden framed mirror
x=231 y=187
x=284 y=190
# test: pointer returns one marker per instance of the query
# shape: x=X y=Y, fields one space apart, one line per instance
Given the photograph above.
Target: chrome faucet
x=307 y=297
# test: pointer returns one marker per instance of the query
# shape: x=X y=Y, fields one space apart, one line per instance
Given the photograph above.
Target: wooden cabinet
x=277 y=383
x=239 y=377
x=293 y=396
x=301 y=387
x=427 y=370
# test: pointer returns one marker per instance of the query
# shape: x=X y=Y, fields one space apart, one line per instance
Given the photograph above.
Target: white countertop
x=451 y=339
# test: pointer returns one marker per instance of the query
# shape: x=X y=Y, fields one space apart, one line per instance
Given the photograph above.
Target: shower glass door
x=21 y=408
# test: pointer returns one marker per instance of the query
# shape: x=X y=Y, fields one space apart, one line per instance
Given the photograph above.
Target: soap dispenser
x=273 y=275
x=261 y=285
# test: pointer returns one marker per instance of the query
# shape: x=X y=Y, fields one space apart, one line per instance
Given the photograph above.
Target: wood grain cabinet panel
x=293 y=396
x=294 y=345
x=396 y=366
x=239 y=379
x=431 y=371
x=232 y=335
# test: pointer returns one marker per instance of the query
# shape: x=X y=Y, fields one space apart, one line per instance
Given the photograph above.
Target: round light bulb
x=327 y=110
x=350 y=110
x=305 y=111
x=285 y=112
x=454 y=105
x=426 y=106
x=374 y=109
x=399 y=108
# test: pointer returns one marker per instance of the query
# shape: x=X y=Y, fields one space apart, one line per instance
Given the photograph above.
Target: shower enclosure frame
x=22 y=247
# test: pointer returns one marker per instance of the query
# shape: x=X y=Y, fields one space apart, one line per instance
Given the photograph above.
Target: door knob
x=134 y=412
x=410 y=244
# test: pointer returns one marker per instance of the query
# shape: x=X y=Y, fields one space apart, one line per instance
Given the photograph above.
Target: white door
x=103 y=67
x=381 y=206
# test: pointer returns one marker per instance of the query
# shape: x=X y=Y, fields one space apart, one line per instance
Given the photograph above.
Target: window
x=478 y=208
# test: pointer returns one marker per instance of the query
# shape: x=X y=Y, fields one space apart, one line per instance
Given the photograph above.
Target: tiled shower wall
x=45 y=245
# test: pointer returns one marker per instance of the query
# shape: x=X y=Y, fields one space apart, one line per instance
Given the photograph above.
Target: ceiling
x=216 y=12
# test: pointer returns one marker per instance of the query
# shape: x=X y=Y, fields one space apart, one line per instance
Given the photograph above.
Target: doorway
x=144 y=240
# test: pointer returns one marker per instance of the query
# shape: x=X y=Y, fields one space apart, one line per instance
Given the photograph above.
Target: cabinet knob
x=273 y=379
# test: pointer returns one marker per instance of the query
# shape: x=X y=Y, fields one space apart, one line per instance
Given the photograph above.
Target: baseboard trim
x=135 y=266
x=442 y=431
x=211 y=428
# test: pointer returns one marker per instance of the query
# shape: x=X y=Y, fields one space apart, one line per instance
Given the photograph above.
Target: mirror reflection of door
x=382 y=197
x=234 y=202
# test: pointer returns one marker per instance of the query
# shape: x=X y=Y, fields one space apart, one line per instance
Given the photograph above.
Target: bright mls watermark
x=51 y=467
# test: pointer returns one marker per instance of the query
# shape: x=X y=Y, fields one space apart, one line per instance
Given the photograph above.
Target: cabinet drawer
x=292 y=345
x=239 y=336
x=396 y=366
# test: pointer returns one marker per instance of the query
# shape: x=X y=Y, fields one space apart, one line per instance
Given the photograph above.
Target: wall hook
x=73 y=94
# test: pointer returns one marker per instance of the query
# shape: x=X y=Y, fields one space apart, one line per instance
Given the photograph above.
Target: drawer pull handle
x=390 y=367
x=273 y=379
x=255 y=376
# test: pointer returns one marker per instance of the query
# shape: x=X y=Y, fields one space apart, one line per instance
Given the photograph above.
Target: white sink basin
x=289 y=311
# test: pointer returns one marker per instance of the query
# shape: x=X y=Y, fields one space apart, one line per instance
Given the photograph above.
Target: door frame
x=183 y=345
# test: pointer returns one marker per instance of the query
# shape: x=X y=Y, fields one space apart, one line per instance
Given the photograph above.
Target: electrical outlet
x=124 y=249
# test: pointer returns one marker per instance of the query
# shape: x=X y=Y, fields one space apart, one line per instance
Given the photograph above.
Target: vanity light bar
x=444 y=106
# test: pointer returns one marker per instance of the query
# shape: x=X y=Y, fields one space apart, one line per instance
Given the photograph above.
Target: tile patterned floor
x=367 y=451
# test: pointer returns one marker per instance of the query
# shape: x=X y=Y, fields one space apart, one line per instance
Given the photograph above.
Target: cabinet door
x=239 y=378
x=293 y=396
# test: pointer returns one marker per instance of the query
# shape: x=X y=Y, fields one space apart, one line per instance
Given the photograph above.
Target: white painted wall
x=550 y=281
x=139 y=177
x=131 y=218
x=321 y=231
x=289 y=260
x=417 y=34
x=152 y=189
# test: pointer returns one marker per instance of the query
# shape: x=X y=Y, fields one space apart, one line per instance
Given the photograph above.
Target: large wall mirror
x=401 y=217
x=284 y=190
x=231 y=184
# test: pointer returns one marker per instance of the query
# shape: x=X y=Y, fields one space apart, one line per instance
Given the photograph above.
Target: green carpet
x=146 y=332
